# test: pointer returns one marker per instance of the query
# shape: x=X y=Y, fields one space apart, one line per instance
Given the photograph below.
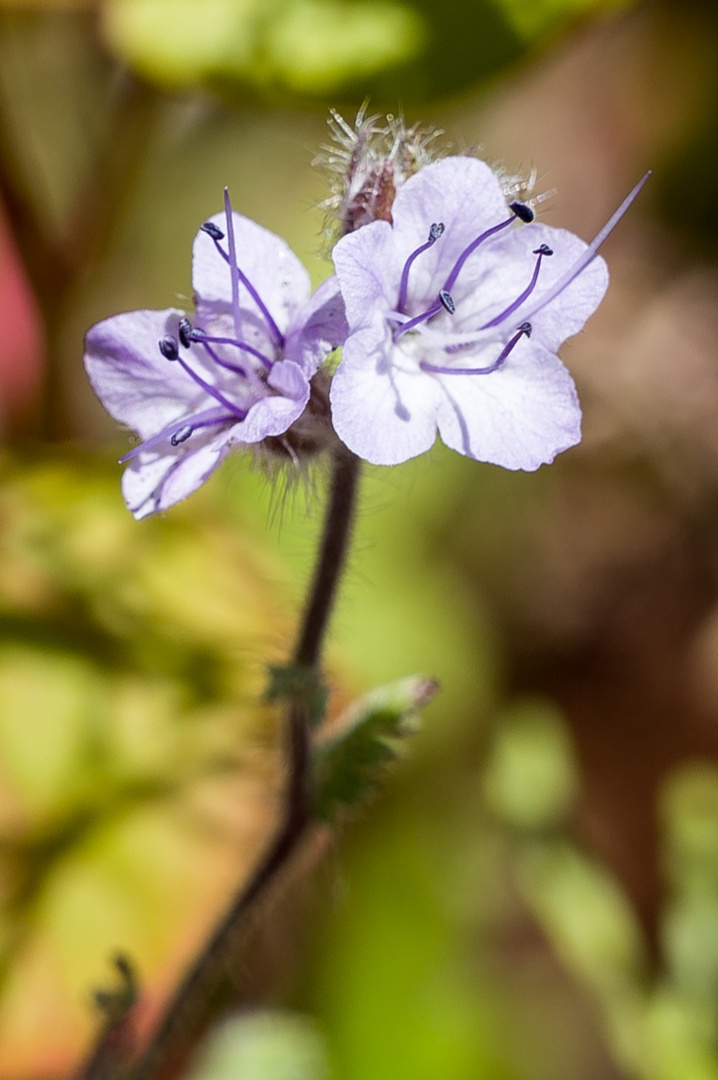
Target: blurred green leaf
x=586 y=914
x=349 y=765
x=689 y=806
x=387 y=49
x=531 y=775
x=533 y=17
x=137 y=756
x=305 y=46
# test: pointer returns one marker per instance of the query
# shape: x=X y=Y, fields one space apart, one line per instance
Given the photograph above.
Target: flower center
x=453 y=343
x=445 y=300
x=226 y=351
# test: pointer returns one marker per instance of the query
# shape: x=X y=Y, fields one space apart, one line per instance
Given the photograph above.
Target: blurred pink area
x=22 y=353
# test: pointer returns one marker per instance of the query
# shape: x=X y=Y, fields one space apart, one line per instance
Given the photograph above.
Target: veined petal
x=463 y=194
x=153 y=482
x=368 y=267
x=317 y=328
x=132 y=378
x=518 y=417
x=383 y=408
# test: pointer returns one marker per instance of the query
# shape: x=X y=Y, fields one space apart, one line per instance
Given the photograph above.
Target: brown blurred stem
x=187 y=1013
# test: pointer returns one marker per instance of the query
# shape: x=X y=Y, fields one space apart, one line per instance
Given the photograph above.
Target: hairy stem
x=187 y=1012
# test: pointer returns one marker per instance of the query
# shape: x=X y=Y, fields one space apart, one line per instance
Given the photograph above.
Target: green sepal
x=292 y=682
x=348 y=765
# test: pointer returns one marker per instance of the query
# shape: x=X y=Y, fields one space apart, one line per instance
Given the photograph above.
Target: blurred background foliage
x=536 y=894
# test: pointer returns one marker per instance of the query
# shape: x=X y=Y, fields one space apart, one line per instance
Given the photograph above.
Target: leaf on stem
x=349 y=764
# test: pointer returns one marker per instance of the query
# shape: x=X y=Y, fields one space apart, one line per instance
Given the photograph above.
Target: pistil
x=589 y=254
x=238 y=276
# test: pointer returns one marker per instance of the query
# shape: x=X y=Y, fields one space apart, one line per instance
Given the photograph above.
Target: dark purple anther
x=543 y=249
x=522 y=211
x=185 y=332
x=525 y=328
x=168 y=347
x=436 y=231
x=447 y=301
x=212 y=230
x=181 y=435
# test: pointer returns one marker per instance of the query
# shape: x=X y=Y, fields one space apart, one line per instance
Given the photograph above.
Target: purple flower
x=456 y=310
x=237 y=374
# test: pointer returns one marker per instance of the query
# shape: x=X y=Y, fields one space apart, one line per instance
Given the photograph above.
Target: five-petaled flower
x=237 y=374
x=456 y=311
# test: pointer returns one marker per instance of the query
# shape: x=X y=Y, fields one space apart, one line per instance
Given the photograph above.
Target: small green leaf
x=348 y=765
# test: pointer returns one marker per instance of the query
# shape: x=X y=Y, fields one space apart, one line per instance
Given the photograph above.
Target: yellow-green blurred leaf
x=138 y=761
x=307 y=46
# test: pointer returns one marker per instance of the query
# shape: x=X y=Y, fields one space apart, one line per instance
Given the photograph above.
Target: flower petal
x=383 y=407
x=318 y=327
x=153 y=482
x=288 y=379
x=368 y=269
x=518 y=417
x=131 y=377
x=463 y=194
x=272 y=415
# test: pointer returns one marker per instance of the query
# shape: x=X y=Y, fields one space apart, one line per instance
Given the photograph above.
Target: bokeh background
x=535 y=894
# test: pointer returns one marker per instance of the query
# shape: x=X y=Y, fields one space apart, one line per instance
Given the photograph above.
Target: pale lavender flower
x=237 y=374
x=456 y=309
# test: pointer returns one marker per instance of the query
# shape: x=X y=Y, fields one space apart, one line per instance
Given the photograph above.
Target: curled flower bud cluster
x=366 y=163
x=450 y=301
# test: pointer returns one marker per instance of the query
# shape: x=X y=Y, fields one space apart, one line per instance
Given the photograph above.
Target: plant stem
x=186 y=1013
x=330 y=562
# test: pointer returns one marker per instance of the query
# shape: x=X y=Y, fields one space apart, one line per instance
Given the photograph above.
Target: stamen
x=434 y=310
x=435 y=232
x=522 y=211
x=168 y=347
x=181 y=435
x=590 y=253
x=519 y=210
x=197 y=334
x=212 y=230
x=207 y=418
x=207 y=387
x=236 y=369
x=523 y=330
x=544 y=249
